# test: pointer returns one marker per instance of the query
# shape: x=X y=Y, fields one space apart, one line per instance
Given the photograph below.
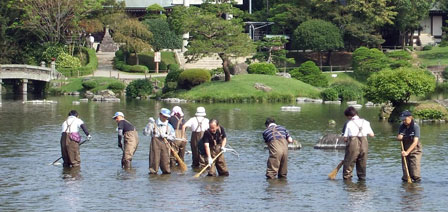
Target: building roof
x=135 y=4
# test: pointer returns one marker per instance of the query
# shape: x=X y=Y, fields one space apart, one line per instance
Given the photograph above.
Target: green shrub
x=171 y=81
x=52 y=51
x=427 y=47
x=192 y=77
x=348 y=91
x=368 y=61
x=67 y=61
x=329 y=94
x=262 y=68
x=138 y=69
x=173 y=67
x=444 y=43
x=399 y=59
x=116 y=87
x=91 y=66
x=120 y=65
x=428 y=111
x=309 y=73
x=139 y=88
x=90 y=84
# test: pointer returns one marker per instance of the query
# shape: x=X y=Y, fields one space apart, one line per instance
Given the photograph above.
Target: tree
x=163 y=37
x=272 y=50
x=410 y=14
x=397 y=86
x=287 y=17
x=367 y=61
x=211 y=34
x=53 y=20
x=318 y=35
x=134 y=34
x=155 y=11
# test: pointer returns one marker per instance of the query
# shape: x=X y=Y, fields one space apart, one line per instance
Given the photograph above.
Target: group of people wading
x=208 y=142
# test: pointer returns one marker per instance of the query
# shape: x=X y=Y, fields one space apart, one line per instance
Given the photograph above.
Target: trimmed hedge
x=88 y=69
x=116 y=87
x=90 y=84
x=348 y=91
x=309 y=73
x=262 y=68
x=192 y=77
x=171 y=81
x=368 y=61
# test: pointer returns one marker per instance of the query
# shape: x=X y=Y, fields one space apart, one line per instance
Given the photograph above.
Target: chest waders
x=220 y=162
x=159 y=154
x=69 y=149
x=178 y=145
x=277 y=164
x=356 y=153
x=198 y=159
x=130 y=144
x=413 y=159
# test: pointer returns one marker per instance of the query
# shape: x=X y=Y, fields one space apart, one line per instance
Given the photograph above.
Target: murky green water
x=29 y=141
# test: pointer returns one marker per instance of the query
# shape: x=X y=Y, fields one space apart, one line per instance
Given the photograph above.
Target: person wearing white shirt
x=159 y=151
x=70 y=139
x=356 y=147
x=198 y=125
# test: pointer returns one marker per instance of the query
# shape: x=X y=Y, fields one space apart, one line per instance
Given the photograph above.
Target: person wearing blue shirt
x=409 y=134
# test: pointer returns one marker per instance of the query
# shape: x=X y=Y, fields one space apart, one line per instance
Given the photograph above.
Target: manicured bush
x=192 y=77
x=116 y=87
x=91 y=66
x=138 y=69
x=139 y=88
x=329 y=94
x=171 y=81
x=173 y=67
x=399 y=59
x=52 y=51
x=65 y=60
x=427 y=47
x=90 y=84
x=368 y=61
x=430 y=111
x=309 y=73
x=262 y=68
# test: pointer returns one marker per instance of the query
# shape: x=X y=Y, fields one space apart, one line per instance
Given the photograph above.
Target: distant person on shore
x=198 y=125
x=127 y=139
x=277 y=139
x=179 y=144
x=409 y=134
x=70 y=139
x=215 y=140
x=159 y=150
x=91 y=40
x=356 y=144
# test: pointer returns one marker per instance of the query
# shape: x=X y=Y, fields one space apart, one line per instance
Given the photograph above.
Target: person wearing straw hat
x=198 y=125
x=127 y=139
x=214 y=142
x=70 y=139
x=179 y=144
x=159 y=150
x=277 y=139
x=409 y=134
x=356 y=146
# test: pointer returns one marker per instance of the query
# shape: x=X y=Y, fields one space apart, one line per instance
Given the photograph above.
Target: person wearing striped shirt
x=277 y=139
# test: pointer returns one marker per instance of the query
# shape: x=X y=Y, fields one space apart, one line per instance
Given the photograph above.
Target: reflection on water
x=29 y=141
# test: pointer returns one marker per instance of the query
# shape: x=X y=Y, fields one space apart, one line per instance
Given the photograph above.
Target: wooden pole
x=405 y=163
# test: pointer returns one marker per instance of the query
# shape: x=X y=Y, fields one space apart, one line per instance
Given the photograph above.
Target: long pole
x=405 y=164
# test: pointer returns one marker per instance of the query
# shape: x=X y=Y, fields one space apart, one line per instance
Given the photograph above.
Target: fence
x=324 y=68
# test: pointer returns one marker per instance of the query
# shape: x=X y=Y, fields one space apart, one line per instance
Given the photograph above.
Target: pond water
x=30 y=142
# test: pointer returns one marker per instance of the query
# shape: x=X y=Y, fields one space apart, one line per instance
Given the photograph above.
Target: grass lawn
x=434 y=56
x=342 y=77
x=75 y=84
x=241 y=88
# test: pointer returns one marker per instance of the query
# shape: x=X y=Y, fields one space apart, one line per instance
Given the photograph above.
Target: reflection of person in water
x=411 y=197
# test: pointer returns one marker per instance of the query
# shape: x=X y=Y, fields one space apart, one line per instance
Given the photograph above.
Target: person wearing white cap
x=198 y=125
x=127 y=139
x=177 y=121
x=159 y=150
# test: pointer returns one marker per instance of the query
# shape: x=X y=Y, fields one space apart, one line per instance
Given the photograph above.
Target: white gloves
x=89 y=137
x=223 y=149
x=210 y=161
x=151 y=120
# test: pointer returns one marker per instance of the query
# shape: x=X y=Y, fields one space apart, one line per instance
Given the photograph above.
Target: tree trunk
x=225 y=66
x=329 y=58
x=320 y=58
x=136 y=59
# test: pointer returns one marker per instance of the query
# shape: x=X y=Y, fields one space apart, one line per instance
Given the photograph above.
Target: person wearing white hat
x=127 y=139
x=177 y=121
x=198 y=125
x=159 y=150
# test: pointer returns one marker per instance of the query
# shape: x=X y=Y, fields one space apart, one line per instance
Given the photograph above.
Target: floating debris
x=330 y=141
x=40 y=102
x=290 y=108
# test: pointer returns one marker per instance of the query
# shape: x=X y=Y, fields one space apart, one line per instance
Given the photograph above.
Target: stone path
x=105 y=68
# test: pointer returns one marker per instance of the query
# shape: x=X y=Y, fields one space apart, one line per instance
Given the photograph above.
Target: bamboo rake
x=199 y=174
x=182 y=165
x=335 y=171
x=405 y=163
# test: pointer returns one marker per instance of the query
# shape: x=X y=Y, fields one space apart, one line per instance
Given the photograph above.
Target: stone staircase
x=209 y=63
x=426 y=39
